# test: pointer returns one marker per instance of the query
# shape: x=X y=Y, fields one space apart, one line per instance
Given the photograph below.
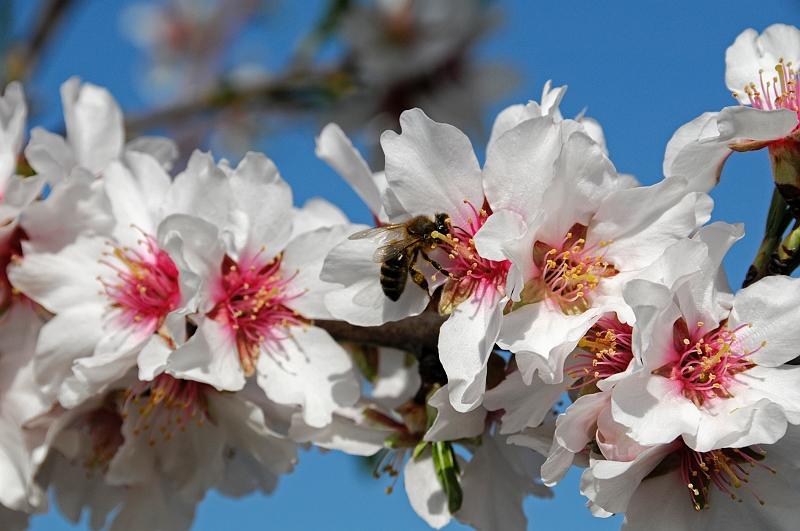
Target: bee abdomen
x=393 y=277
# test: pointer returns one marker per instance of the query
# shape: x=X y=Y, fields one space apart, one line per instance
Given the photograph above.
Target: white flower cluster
x=164 y=335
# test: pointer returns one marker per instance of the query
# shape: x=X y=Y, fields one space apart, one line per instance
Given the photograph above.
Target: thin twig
x=24 y=57
x=297 y=92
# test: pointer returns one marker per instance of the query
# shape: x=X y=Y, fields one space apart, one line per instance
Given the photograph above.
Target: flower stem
x=785 y=259
x=777 y=221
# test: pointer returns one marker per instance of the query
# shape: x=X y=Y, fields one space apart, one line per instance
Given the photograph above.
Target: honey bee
x=403 y=243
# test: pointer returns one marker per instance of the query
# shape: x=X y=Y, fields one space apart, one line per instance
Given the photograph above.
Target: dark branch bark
x=296 y=92
x=418 y=335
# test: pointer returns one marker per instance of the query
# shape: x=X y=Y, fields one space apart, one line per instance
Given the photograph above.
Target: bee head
x=441 y=221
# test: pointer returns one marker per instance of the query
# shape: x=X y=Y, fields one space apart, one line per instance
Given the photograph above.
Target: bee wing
x=396 y=232
x=392 y=249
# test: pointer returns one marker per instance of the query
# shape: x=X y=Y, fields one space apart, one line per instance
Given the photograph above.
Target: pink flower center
x=104 y=426
x=781 y=92
x=706 y=365
x=568 y=272
x=166 y=404
x=727 y=469
x=251 y=300
x=604 y=351
x=146 y=288
x=471 y=275
x=10 y=251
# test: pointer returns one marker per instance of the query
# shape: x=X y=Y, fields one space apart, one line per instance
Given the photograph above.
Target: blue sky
x=641 y=68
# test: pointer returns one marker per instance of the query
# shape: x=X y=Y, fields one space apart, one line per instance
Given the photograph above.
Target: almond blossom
x=432 y=170
x=409 y=54
x=138 y=446
x=95 y=135
x=672 y=486
x=575 y=232
x=712 y=368
x=109 y=289
x=406 y=434
x=259 y=289
x=761 y=72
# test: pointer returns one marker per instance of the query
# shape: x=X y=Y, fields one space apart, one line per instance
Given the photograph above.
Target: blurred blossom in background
x=266 y=75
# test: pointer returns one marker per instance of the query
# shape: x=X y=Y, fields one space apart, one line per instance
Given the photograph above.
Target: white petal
x=523 y=406
x=266 y=200
x=595 y=131
x=577 y=426
x=520 y=165
x=360 y=299
x=114 y=355
x=512 y=116
x=736 y=422
x=197 y=250
x=202 y=190
x=500 y=227
x=304 y=257
x=465 y=341
x=611 y=484
x=21 y=398
x=50 y=155
x=209 y=356
x=77 y=206
x=769 y=308
x=584 y=177
x=451 y=425
x=539 y=439
x=641 y=222
x=129 y=204
x=153 y=358
x=57 y=281
x=431 y=167
x=94 y=124
x=699 y=148
x=424 y=492
x=348 y=432
x=247 y=430
x=397 y=380
x=13 y=115
x=495 y=483
x=752 y=52
x=311 y=371
x=542 y=337
x=315 y=214
x=780 y=385
x=655 y=313
x=335 y=148
x=654 y=409
x=163 y=150
x=72 y=334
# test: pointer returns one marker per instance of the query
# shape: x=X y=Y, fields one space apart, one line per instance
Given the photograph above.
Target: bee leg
x=435 y=264
x=418 y=277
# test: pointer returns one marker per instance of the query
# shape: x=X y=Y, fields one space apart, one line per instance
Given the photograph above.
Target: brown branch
x=418 y=335
x=24 y=57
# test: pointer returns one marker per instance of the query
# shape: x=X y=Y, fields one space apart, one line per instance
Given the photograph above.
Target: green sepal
x=447 y=471
x=418 y=449
x=392 y=441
